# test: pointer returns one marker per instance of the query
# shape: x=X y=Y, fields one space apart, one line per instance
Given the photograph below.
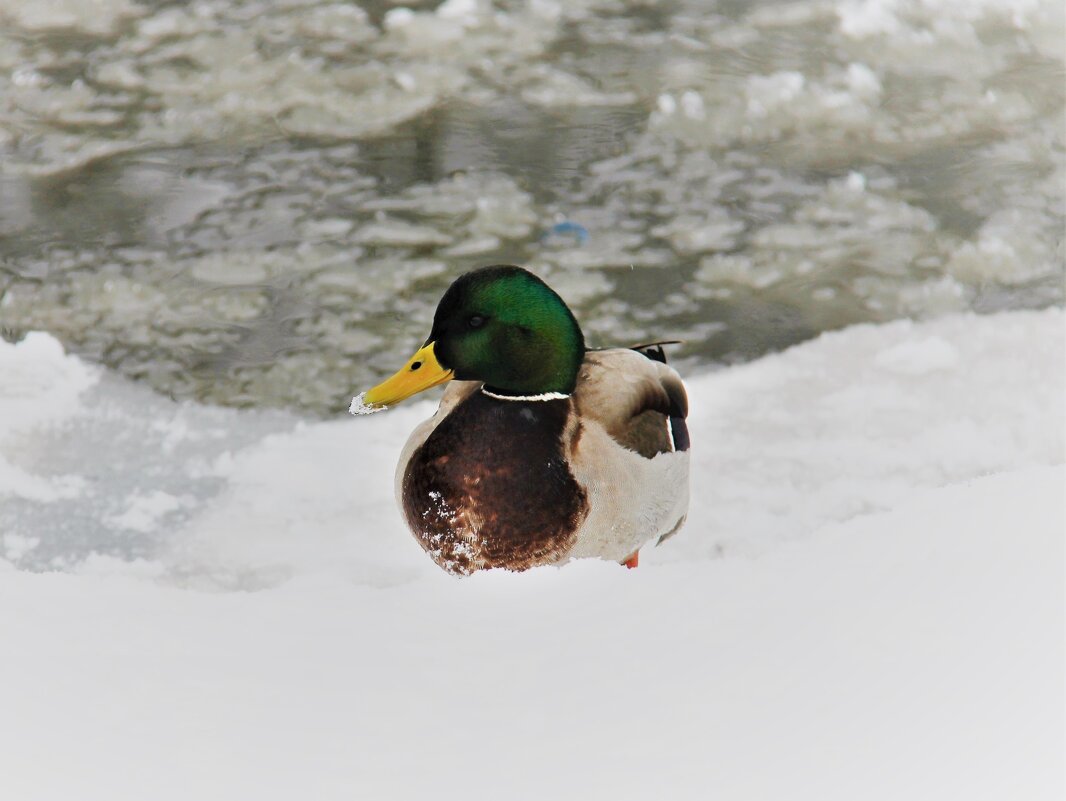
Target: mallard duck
x=541 y=450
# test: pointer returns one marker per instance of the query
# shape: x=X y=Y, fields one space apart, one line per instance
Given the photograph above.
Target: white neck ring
x=545 y=396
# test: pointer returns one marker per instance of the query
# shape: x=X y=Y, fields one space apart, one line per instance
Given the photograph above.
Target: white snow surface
x=867 y=601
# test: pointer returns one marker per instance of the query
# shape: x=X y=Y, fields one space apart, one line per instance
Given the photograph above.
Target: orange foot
x=632 y=561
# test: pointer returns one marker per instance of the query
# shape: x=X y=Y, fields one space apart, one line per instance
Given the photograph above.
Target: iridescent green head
x=506 y=327
x=501 y=325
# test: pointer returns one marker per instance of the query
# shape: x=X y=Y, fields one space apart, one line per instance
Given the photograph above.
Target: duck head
x=501 y=325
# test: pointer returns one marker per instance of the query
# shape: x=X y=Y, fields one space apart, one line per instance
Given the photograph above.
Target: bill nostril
x=416 y=365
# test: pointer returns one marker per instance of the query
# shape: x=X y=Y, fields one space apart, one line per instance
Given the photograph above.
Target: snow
x=865 y=603
x=359 y=406
x=145 y=510
x=919 y=357
x=39 y=385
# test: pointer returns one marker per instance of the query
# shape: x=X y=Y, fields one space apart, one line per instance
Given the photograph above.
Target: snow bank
x=866 y=603
x=40 y=385
x=915 y=653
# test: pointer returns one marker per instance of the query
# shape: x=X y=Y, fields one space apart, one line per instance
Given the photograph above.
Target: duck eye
x=476 y=321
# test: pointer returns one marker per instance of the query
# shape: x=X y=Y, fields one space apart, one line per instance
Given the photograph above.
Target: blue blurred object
x=567 y=229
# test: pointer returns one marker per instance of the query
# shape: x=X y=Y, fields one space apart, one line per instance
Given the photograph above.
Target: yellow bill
x=421 y=372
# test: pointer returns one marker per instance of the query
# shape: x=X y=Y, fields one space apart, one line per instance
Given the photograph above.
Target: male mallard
x=541 y=450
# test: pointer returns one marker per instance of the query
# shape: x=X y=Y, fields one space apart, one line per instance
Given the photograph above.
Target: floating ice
x=910 y=163
x=396 y=232
x=100 y=17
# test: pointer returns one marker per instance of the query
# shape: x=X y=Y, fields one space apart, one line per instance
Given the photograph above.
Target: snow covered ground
x=867 y=602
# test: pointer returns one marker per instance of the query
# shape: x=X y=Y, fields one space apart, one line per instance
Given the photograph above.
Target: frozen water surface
x=258 y=204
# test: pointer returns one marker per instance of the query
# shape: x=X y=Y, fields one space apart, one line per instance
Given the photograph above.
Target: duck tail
x=654 y=350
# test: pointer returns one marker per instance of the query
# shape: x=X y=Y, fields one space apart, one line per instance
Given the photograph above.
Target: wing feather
x=639 y=401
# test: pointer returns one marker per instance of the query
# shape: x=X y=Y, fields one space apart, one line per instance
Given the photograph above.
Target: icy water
x=259 y=204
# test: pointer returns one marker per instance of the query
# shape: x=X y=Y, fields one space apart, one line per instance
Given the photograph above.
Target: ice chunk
x=458 y=9
x=399 y=233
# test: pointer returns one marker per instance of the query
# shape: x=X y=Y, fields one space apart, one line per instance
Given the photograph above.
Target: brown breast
x=490 y=486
